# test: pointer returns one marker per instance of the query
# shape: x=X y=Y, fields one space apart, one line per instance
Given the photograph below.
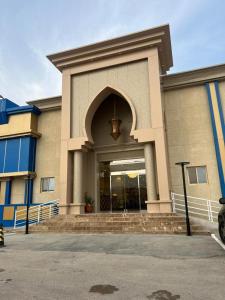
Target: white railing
x=37 y=213
x=197 y=207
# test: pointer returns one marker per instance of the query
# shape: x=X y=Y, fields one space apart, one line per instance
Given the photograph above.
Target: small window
x=47 y=184
x=197 y=175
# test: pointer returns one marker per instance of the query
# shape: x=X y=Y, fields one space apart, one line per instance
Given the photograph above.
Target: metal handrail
x=206 y=209
x=37 y=213
x=194 y=197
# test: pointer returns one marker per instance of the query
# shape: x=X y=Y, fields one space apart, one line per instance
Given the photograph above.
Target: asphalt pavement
x=111 y=266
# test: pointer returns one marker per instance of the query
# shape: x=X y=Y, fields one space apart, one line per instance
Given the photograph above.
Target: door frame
x=136 y=151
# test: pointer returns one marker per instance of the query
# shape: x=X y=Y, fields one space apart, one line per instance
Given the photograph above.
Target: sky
x=32 y=29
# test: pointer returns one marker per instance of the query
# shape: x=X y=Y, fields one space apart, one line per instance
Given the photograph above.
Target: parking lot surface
x=110 y=266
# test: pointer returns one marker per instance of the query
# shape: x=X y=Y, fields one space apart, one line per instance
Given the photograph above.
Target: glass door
x=123 y=185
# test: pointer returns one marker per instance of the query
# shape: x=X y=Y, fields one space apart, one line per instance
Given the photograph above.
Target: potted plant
x=89 y=204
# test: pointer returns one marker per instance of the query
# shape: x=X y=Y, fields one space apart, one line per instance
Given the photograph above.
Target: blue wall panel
x=2 y=154
x=19 y=156
x=8 y=190
x=12 y=155
x=24 y=154
x=32 y=156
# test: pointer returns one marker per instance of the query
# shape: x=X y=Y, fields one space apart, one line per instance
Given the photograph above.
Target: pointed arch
x=99 y=98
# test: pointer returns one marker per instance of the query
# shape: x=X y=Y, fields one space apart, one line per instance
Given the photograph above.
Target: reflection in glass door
x=123 y=185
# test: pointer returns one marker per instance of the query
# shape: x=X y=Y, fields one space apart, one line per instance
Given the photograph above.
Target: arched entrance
x=120 y=163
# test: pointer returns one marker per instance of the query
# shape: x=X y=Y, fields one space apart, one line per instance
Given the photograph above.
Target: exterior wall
x=190 y=138
x=19 y=124
x=18 y=190
x=131 y=78
x=222 y=95
x=2 y=192
x=139 y=83
x=47 y=154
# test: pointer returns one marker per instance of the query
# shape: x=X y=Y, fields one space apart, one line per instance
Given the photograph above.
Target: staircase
x=118 y=223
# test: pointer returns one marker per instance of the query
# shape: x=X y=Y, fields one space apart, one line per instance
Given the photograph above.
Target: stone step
x=117 y=223
x=111 y=216
x=76 y=228
x=98 y=219
x=118 y=231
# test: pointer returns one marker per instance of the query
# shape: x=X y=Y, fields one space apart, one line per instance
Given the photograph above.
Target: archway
x=113 y=105
x=95 y=104
x=120 y=183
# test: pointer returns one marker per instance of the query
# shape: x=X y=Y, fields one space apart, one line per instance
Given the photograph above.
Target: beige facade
x=48 y=154
x=165 y=119
x=190 y=137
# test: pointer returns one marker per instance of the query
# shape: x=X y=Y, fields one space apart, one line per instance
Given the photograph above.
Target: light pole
x=28 y=204
x=182 y=164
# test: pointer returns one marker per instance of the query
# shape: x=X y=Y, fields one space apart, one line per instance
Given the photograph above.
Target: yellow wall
x=2 y=192
x=47 y=154
x=222 y=95
x=19 y=124
x=18 y=190
x=190 y=138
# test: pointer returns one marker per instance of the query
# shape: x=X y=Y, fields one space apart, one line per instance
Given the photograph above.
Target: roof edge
x=118 y=46
x=193 y=77
x=50 y=103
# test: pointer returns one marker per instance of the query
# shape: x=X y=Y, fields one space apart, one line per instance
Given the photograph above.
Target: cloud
x=40 y=28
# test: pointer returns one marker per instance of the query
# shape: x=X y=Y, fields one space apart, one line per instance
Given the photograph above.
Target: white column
x=150 y=172
x=78 y=201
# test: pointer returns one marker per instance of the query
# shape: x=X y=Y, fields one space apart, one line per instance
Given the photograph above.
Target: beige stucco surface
x=2 y=192
x=222 y=95
x=18 y=190
x=48 y=154
x=130 y=78
x=190 y=138
x=19 y=124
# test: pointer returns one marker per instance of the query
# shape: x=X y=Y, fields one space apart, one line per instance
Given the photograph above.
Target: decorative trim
x=23 y=109
x=217 y=126
x=51 y=103
x=193 y=77
x=16 y=174
x=220 y=108
x=154 y=37
x=29 y=133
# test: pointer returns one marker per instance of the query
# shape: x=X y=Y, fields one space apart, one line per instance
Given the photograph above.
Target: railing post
x=210 y=211
x=15 y=220
x=50 y=211
x=38 y=219
x=173 y=202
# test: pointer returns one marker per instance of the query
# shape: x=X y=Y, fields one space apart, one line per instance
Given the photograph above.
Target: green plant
x=88 y=200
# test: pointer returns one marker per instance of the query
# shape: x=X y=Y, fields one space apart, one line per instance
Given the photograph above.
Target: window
x=47 y=184
x=197 y=175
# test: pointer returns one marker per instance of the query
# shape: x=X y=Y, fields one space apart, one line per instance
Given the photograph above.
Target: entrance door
x=123 y=185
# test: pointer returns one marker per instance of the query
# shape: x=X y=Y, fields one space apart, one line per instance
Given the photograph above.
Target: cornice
x=51 y=103
x=155 y=37
x=193 y=77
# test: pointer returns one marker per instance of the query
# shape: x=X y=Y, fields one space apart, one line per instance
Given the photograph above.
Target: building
x=116 y=132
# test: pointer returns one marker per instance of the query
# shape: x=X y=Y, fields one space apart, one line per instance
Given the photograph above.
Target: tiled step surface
x=118 y=223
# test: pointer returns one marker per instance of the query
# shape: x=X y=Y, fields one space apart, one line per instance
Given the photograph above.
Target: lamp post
x=182 y=164
x=28 y=204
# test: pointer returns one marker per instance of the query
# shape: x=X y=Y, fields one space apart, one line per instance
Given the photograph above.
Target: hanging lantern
x=115 y=128
x=115 y=125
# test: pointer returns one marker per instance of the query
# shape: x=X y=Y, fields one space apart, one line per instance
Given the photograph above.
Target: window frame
x=196 y=173
x=42 y=183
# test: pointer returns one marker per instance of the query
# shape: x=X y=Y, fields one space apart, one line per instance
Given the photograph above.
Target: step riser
x=117 y=223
